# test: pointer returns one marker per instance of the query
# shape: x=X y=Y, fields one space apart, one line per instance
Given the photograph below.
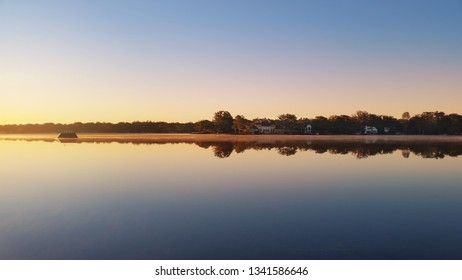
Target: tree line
x=432 y=123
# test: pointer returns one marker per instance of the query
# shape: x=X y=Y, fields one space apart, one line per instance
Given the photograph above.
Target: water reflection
x=361 y=148
x=131 y=197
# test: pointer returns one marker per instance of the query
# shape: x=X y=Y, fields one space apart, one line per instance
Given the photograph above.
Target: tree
x=362 y=117
x=428 y=123
x=342 y=124
x=405 y=121
x=321 y=125
x=223 y=122
x=242 y=125
x=288 y=121
x=204 y=126
x=391 y=123
x=455 y=124
x=406 y=116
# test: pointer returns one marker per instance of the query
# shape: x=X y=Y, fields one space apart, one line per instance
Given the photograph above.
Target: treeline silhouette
x=431 y=123
x=101 y=127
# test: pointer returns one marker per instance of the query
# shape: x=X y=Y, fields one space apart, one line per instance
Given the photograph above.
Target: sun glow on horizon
x=93 y=62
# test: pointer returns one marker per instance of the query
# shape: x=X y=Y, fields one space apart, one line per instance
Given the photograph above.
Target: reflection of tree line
x=360 y=150
x=223 y=149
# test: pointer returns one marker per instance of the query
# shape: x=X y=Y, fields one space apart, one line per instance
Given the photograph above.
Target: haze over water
x=178 y=200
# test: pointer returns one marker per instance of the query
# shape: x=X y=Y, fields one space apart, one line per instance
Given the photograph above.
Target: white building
x=370 y=130
x=308 y=129
x=265 y=129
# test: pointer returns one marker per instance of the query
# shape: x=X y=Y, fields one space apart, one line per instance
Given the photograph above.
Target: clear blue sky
x=66 y=61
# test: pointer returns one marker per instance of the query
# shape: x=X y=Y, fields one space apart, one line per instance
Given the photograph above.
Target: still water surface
x=220 y=199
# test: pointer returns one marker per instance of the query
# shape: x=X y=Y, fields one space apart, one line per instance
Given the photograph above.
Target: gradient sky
x=172 y=60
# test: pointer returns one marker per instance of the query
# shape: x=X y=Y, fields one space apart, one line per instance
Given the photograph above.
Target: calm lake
x=265 y=197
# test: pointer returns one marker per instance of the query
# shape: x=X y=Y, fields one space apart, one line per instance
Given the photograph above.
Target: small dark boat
x=68 y=135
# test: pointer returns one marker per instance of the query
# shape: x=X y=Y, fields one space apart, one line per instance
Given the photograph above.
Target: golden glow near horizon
x=57 y=67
